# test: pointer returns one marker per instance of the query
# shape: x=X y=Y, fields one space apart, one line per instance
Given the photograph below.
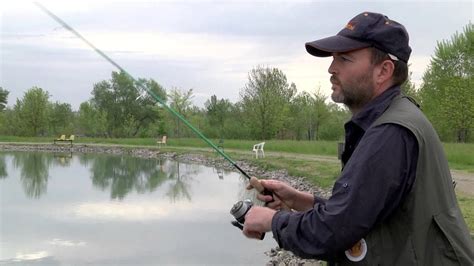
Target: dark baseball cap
x=366 y=30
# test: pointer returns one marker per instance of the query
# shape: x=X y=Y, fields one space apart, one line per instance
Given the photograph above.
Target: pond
x=97 y=209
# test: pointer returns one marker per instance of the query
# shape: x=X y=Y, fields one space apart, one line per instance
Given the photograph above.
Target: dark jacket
x=428 y=228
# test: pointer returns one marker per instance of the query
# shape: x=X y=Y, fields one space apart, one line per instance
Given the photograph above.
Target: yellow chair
x=61 y=138
x=70 y=139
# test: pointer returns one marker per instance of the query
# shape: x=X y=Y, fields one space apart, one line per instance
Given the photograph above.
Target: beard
x=355 y=93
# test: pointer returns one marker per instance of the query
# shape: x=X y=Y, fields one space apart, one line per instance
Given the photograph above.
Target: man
x=393 y=203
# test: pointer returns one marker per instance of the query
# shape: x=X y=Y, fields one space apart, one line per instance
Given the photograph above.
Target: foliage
x=409 y=89
x=447 y=92
x=3 y=98
x=218 y=113
x=91 y=121
x=266 y=100
x=308 y=113
x=126 y=113
x=31 y=112
x=333 y=128
x=181 y=102
x=61 y=118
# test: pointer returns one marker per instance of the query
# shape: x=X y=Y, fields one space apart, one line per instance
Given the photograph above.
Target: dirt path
x=465 y=182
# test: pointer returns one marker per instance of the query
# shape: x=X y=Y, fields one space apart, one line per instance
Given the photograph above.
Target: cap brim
x=334 y=44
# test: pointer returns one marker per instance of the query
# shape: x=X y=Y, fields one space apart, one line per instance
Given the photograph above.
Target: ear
x=384 y=72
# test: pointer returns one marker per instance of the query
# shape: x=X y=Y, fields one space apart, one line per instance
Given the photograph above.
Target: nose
x=332 y=67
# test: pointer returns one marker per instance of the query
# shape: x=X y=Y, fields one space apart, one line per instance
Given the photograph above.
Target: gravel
x=277 y=256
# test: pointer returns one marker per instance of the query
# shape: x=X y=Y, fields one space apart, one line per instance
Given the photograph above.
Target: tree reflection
x=123 y=174
x=34 y=172
x=181 y=181
x=3 y=166
x=120 y=174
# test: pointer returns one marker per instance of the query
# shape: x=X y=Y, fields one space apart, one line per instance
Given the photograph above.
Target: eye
x=342 y=58
x=345 y=58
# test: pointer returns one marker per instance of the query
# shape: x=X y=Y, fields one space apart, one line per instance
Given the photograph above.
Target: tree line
x=269 y=106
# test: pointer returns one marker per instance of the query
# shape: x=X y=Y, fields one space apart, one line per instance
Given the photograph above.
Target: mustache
x=334 y=80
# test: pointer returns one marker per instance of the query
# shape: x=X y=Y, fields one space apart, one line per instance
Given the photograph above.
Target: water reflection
x=34 y=172
x=124 y=174
x=180 y=186
x=63 y=158
x=119 y=174
x=109 y=210
x=3 y=166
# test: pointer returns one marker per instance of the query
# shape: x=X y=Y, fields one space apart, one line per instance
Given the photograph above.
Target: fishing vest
x=428 y=227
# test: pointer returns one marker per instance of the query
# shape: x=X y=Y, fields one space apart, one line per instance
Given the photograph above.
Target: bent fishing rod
x=146 y=90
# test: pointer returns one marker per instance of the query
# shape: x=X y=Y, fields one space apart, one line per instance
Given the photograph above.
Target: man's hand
x=284 y=196
x=258 y=220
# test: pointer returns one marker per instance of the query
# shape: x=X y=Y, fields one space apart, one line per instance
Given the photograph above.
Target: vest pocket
x=446 y=227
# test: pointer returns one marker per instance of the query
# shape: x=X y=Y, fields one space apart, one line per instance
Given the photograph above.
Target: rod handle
x=259 y=187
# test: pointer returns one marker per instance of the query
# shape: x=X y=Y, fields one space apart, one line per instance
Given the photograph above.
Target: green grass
x=322 y=174
x=466 y=203
x=460 y=156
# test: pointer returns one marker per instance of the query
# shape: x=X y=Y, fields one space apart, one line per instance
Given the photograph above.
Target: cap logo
x=350 y=25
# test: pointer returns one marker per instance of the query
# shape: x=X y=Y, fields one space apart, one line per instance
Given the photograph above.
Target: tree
x=32 y=112
x=333 y=128
x=127 y=112
x=91 y=122
x=266 y=98
x=308 y=113
x=318 y=114
x=217 y=112
x=181 y=102
x=409 y=89
x=300 y=115
x=61 y=118
x=3 y=98
x=447 y=92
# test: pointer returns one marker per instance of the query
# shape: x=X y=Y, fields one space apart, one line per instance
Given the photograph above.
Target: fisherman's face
x=352 y=78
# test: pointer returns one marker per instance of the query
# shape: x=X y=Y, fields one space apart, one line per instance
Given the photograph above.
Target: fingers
x=252 y=234
x=264 y=198
x=261 y=184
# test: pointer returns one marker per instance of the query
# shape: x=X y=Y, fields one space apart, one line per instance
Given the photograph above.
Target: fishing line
x=144 y=89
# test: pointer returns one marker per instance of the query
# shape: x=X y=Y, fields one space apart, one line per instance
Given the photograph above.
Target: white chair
x=257 y=148
x=162 y=141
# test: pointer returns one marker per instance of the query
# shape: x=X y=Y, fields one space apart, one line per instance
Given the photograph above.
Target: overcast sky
x=209 y=46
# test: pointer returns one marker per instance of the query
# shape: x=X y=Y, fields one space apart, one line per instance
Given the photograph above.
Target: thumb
x=271 y=185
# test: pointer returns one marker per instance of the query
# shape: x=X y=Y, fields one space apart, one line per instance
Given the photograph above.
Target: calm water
x=82 y=209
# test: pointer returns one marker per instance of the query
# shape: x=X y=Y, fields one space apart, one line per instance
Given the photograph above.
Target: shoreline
x=277 y=256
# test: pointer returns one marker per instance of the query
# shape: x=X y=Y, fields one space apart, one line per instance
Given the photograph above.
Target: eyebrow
x=347 y=54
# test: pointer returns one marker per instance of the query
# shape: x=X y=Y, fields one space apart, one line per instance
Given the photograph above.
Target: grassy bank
x=460 y=155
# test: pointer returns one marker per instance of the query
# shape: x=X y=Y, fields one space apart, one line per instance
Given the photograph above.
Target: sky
x=207 y=46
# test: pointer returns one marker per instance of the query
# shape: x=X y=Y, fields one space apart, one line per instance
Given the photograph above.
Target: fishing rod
x=151 y=93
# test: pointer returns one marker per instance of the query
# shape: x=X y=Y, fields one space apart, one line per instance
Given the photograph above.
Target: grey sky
x=209 y=46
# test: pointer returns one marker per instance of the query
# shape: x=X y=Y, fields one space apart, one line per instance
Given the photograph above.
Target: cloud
x=66 y=243
x=206 y=45
x=20 y=256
